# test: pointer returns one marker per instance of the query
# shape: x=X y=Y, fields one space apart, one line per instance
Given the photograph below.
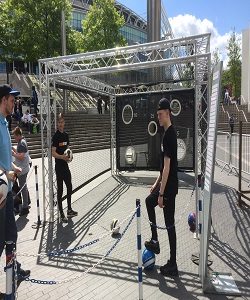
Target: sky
x=188 y=17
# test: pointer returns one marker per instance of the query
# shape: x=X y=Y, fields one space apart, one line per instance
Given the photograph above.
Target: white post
x=138 y=215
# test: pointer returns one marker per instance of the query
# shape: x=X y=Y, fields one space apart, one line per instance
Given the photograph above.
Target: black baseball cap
x=164 y=104
x=6 y=90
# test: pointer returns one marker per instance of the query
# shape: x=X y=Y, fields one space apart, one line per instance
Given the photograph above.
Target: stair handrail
x=80 y=103
x=225 y=112
x=17 y=75
x=25 y=80
x=241 y=111
x=242 y=99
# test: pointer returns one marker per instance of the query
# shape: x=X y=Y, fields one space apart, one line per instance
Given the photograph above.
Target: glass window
x=2 y=67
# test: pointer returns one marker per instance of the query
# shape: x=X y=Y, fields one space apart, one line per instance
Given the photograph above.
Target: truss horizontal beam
x=83 y=83
x=128 y=67
x=200 y=41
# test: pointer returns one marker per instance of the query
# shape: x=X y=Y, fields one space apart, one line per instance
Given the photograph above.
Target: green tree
x=234 y=64
x=32 y=29
x=225 y=83
x=215 y=57
x=101 y=27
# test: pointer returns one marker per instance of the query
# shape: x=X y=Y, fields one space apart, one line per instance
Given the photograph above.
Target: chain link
x=68 y=251
x=93 y=266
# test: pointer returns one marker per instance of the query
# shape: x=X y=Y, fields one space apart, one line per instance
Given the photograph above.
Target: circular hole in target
x=181 y=149
x=130 y=155
x=175 y=107
x=152 y=128
x=127 y=114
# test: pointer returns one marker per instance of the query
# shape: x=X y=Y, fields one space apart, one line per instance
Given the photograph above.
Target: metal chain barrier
x=50 y=282
x=163 y=227
x=68 y=251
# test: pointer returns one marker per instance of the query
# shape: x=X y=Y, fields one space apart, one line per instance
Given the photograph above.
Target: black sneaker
x=153 y=246
x=64 y=219
x=170 y=269
x=23 y=274
x=24 y=212
x=71 y=213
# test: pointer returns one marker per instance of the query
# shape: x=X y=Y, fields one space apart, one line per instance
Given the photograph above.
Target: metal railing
x=227 y=151
x=241 y=111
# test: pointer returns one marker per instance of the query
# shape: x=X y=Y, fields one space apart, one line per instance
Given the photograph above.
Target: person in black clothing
x=99 y=105
x=18 y=110
x=60 y=142
x=34 y=100
x=231 y=123
x=106 y=105
x=165 y=189
x=9 y=120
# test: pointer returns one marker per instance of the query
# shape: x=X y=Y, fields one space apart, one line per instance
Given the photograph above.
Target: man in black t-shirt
x=60 y=142
x=165 y=189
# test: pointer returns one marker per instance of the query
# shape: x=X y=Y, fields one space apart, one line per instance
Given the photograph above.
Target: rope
x=50 y=282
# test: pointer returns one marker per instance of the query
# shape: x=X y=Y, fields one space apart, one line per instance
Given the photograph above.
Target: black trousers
x=232 y=128
x=168 y=211
x=99 y=108
x=63 y=175
x=8 y=230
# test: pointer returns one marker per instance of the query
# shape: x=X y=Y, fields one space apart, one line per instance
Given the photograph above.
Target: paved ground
x=116 y=277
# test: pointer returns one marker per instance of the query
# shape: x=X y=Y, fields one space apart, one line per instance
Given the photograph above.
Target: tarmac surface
x=116 y=277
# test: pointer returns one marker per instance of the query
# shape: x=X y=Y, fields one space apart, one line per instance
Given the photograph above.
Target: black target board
x=139 y=135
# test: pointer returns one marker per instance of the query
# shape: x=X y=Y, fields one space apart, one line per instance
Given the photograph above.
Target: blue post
x=139 y=250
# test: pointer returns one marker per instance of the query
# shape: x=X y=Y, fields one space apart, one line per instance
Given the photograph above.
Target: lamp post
x=64 y=52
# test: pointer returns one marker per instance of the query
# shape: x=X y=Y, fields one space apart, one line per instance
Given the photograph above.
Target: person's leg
x=29 y=126
x=151 y=203
x=10 y=224
x=68 y=183
x=170 y=268
x=2 y=229
x=59 y=180
x=11 y=235
x=169 y=211
x=23 y=186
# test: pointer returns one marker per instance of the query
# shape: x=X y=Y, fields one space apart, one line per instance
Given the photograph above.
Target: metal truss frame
x=77 y=71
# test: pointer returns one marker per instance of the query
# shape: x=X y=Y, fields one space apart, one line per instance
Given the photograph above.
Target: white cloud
x=185 y=25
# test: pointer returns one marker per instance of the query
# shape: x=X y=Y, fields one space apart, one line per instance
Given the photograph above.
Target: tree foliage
x=234 y=64
x=32 y=29
x=215 y=57
x=101 y=27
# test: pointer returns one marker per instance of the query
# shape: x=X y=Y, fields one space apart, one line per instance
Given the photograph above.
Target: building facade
x=245 y=69
x=134 y=30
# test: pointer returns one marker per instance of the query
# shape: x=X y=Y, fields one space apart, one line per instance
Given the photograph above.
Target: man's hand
x=160 y=202
x=65 y=157
x=11 y=175
x=17 y=170
x=13 y=149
